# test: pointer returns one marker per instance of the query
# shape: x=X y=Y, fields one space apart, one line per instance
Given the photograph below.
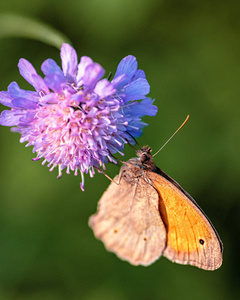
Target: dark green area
x=190 y=53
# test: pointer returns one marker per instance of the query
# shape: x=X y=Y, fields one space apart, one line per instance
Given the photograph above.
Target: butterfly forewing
x=191 y=239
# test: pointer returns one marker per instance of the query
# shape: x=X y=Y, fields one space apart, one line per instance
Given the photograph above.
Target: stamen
x=82 y=183
x=90 y=173
x=118 y=151
x=119 y=143
x=42 y=94
x=43 y=163
x=76 y=171
x=133 y=127
x=59 y=171
x=67 y=171
x=111 y=159
x=52 y=168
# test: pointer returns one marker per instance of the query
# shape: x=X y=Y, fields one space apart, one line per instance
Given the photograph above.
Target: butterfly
x=145 y=214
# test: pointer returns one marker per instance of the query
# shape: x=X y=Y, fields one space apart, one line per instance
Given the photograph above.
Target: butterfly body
x=147 y=214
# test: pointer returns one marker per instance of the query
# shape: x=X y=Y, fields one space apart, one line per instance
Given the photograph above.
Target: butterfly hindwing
x=128 y=221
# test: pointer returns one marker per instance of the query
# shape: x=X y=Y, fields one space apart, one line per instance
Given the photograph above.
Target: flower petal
x=137 y=89
x=39 y=84
x=139 y=74
x=26 y=70
x=92 y=74
x=49 y=66
x=55 y=82
x=29 y=73
x=104 y=88
x=84 y=62
x=147 y=108
x=69 y=60
x=120 y=81
x=11 y=117
x=16 y=92
x=50 y=98
x=128 y=65
x=24 y=103
x=5 y=99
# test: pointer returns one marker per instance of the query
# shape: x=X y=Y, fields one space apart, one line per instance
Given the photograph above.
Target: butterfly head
x=145 y=158
x=144 y=154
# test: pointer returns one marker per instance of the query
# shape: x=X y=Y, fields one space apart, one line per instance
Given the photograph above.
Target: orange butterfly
x=148 y=214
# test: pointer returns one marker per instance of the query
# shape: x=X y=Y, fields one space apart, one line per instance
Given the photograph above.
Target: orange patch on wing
x=185 y=224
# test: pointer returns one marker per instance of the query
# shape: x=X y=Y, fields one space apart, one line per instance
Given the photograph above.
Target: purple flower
x=75 y=119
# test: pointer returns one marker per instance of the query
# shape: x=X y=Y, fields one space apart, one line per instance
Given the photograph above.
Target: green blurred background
x=190 y=53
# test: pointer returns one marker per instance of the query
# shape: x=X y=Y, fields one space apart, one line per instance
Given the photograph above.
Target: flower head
x=75 y=119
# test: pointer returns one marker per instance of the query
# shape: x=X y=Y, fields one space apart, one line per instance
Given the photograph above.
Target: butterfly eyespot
x=115 y=231
x=201 y=241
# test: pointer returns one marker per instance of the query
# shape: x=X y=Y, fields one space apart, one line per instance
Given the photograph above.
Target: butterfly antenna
x=115 y=157
x=119 y=160
x=134 y=141
x=172 y=135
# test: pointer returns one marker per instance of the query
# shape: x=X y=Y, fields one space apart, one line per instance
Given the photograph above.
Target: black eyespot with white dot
x=201 y=241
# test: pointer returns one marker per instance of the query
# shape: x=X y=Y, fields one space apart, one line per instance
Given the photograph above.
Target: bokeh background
x=190 y=53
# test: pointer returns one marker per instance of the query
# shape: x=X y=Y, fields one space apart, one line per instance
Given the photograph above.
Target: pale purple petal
x=5 y=99
x=16 y=92
x=69 y=60
x=50 y=98
x=39 y=84
x=49 y=66
x=11 y=117
x=24 y=103
x=104 y=88
x=26 y=70
x=29 y=73
x=55 y=82
x=84 y=62
x=93 y=73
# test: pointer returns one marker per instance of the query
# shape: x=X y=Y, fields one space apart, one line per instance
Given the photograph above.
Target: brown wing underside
x=128 y=222
x=191 y=238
